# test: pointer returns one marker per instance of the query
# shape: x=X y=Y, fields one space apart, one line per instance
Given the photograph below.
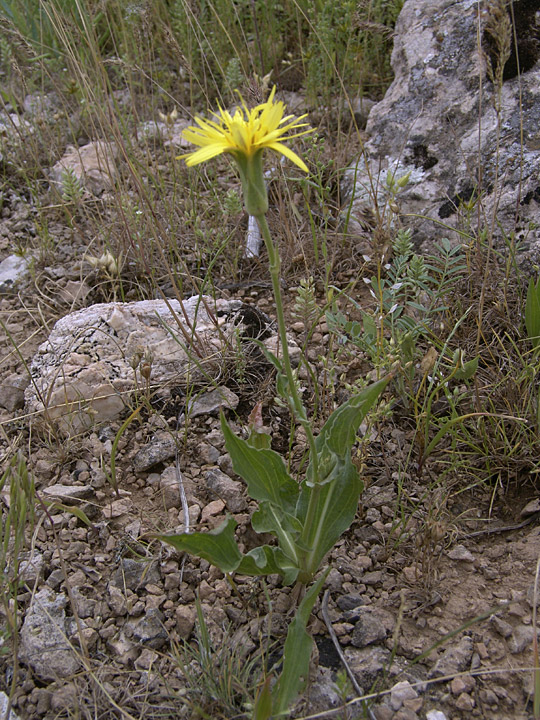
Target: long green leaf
x=263 y=470
x=217 y=546
x=268 y=560
x=271 y=519
x=297 y=652
x=338 y=434
x=335 y=511
x=339 y=431
x=532 y=312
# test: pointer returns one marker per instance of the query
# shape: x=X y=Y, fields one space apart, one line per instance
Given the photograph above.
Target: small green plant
x=306 y=517
x=221 y=678
x=410 y=300
x=72 y=190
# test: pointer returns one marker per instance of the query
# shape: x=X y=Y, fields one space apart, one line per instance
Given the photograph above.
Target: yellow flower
x=245 y=133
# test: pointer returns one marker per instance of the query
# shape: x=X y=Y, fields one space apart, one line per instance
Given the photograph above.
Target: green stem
x=297 y=406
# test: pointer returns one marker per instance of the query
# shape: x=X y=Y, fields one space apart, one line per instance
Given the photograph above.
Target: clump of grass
x=17 y=523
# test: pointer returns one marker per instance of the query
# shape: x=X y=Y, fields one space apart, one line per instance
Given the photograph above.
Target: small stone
x=4 y=701
x=455 y=659
x=44 y=643
x=400 y=692
x=436 y=715
x=206 y=591
x=12 y=391
x=489 y=698
x=521 y=639
x=384 y=712
x=465 y=702
x=334 y=580
x=350 y=601
x=42 y=700
x=210 y=402
x=92 y=165
x=149 y=630
x=67 y=494
x=373 y=578
x=531 y=508
x=185 y=616
x=462 y=684
x=532 y=595
x=120 y=645
x=405 y=714
x=211 y=510
x=373 y=625
x=12 y=270
x=74 y=291
x=367 y=663
x=230 y=491
x=90 y=637
x=84 y=606
x=117 y=508
x=31 y=569
x=208 y=454
x=170 y=491
x=64 y=698
x=162 y=447
x=411 y=573
x=117 y=601
x=194 y=512
x=146 y=659
x=133 y=574
x=460 y=552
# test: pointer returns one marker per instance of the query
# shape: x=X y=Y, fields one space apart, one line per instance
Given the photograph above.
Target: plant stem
x=294 y=398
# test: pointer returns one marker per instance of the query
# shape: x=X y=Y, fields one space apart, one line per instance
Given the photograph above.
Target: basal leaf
x=263 y=470
x=336 y=509
x=268 y=560
x=217 y=546
x=263 y=703
x=297 y=652
x=270 y=518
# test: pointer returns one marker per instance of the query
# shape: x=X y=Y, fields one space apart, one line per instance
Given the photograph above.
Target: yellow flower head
x=246 y=133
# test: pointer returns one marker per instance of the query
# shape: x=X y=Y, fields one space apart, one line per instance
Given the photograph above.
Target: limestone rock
x=12 y=391
x=438 y=122
x=44 y=637
x=86 y=370
x=92 y=165
x=12 y=269
x=4 y=702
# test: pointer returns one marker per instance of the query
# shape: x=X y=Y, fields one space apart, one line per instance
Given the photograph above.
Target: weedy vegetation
x=439 y=348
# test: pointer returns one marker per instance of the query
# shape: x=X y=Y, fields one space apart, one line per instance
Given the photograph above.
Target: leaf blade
x=217 y=546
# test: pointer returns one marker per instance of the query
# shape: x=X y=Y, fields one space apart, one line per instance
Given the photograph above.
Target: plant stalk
x=296 y=402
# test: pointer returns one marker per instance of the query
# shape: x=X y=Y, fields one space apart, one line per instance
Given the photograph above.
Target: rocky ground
x=430 y=592
x=103 y=608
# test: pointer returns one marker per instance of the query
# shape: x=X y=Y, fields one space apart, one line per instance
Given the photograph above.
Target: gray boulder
x=96 y=358
x=443 y=122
